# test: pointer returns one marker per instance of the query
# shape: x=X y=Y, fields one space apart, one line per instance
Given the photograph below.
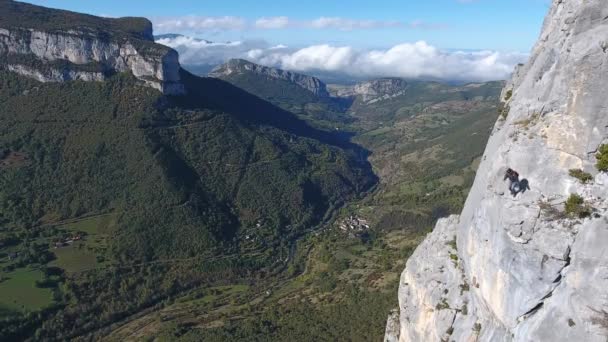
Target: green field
x=18 y=291
x=75 y=258
x=83 y=255
x=101 y=224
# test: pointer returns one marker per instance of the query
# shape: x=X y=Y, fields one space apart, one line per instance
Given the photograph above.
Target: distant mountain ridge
x=240 y=66
x=368 y=91
x=373 y=90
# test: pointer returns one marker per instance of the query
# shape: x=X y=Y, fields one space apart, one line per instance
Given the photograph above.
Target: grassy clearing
x=91 y=252
x=18 y=291
x=75 y=258
x=102 y=224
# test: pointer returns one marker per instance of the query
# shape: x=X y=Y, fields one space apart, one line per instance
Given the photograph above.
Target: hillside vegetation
x=425 y=143
x=318 y=111
x=164 y=193
x=16 y=14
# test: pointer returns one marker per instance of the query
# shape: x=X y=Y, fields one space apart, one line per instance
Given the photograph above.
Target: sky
x=451 y=39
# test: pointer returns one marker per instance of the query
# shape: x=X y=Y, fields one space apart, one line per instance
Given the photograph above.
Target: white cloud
x=272 y=23
x=408 y=60
x=198 y=23
x=279 y=47
x=350 y=24
x=198 y=51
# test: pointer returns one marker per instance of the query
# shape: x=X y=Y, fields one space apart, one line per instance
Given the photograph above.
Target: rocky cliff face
x=84 y=48
x=374 y=90
x=516 y=268
x=239 y=66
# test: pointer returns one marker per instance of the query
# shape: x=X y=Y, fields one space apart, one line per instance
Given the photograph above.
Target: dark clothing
x=513 y=177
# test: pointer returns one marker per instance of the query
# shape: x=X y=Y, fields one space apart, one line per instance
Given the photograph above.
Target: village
x=354 y=225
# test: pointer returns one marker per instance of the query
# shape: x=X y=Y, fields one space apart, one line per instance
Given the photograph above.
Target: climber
x=514 y=185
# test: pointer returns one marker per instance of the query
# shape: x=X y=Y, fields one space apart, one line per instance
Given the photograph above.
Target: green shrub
x=464 y=288
x=504 y=112
x=508 y=94
x=581 y=175
x=602 y=158
x=442 y=305
x=576 y=207
x=452 y=243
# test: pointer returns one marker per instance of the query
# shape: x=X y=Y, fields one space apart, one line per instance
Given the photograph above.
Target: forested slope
x=182 y=177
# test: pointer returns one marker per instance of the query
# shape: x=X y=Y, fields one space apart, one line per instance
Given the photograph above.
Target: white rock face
x=374 y=90
x=519 y=273
x=158 y=68
x=54 y=75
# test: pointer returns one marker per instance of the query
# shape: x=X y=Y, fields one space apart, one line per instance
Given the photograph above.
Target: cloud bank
x=407 y=60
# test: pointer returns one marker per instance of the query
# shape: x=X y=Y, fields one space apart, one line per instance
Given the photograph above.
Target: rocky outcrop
x=391 y=332
x=373 y=90
x=241 y=66
x=517 y=268
x=84 y=49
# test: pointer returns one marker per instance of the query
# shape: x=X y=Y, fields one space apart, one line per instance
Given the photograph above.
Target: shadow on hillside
x=212 y=93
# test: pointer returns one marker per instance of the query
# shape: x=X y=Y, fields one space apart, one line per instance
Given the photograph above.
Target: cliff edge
x=54 y=45
x=527 y=267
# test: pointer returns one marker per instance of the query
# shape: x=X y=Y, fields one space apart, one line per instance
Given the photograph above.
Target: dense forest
x=424 y=143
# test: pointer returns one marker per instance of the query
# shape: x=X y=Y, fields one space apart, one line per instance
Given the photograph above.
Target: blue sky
x=449 y=24
x=468 y=40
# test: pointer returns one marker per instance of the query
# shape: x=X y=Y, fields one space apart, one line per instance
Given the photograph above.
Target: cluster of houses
x=354 y=225
x=67 y=241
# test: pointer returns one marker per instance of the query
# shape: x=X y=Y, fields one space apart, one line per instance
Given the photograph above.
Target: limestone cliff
x=517 y=268
x=373 y=90
x=241 y=66
x=53 y=45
